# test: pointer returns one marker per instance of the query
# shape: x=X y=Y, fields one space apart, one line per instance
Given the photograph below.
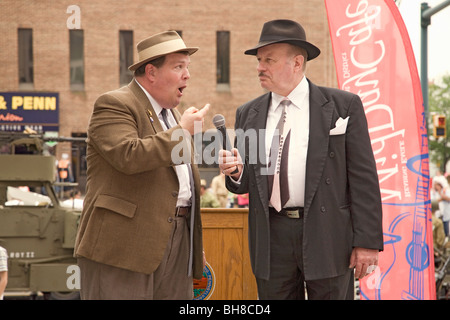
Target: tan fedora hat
x=159 y=45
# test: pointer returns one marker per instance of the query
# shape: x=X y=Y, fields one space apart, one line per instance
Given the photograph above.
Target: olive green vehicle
x=36 y=229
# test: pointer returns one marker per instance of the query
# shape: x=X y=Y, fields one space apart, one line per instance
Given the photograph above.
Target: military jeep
x=37 y=231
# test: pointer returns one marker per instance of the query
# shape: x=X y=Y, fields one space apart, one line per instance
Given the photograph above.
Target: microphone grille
x=218 y=120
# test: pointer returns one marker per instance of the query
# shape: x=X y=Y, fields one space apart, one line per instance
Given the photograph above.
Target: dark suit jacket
x=132 y=187
x=342 y=197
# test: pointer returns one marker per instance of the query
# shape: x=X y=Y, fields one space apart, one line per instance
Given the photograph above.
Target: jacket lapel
x=146 y=105
x=257 y=118
x=150 y=112
x=321 y=112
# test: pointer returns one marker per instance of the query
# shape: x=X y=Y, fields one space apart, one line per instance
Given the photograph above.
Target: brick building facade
x=102 y=21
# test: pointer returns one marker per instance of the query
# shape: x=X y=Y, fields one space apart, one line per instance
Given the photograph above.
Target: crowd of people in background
x=440 y=204
x=218 y=196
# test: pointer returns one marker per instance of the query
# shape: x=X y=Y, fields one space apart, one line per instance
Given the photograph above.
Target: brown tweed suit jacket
x=132 y=187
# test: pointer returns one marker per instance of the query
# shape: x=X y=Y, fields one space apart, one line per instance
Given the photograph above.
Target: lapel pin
x=150 y=114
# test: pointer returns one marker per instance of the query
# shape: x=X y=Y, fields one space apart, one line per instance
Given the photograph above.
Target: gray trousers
x=286 y=280
x=169 y=281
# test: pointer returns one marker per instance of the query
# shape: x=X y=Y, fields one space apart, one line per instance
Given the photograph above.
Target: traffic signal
x=439 y=126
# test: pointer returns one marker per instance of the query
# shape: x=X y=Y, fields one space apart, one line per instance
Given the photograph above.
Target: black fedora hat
x=284 y=31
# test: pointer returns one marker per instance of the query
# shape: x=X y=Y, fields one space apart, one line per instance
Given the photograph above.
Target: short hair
x=296 y=50
x=158 y=62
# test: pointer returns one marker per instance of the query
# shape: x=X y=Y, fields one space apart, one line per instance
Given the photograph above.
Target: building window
x=76 y=59
x=223 y=60
x=25 y=59
x=126 y=56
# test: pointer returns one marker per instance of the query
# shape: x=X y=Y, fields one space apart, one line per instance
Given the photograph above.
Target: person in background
x=220 y=190
x=438 y=227
x=3 y=271
x=442 y=195
x=207 y=199
x=242 y=200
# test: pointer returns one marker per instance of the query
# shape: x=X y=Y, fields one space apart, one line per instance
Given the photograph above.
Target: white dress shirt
x=184 y=192
x=298 y=115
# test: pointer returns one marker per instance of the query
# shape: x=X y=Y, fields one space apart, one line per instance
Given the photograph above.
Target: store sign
x=36 y=110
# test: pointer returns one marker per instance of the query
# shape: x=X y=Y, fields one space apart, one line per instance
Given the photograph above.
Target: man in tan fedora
x=140 y=233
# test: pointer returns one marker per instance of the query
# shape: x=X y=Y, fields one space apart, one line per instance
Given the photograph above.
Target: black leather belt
x=182 y=211
x=293 y=213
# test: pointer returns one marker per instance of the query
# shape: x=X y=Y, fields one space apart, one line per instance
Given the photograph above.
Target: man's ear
x=150 y=71
x=299 y=60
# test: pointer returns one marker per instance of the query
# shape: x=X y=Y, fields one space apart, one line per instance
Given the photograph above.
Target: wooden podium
x=228 y=274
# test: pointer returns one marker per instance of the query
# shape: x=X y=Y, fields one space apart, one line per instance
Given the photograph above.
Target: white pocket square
x=341 y=126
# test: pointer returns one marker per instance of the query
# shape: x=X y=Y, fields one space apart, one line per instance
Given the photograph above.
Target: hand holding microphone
x=230 y=162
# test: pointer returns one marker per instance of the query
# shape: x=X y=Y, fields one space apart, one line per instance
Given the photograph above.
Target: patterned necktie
x=280 y=188
x=164 y=116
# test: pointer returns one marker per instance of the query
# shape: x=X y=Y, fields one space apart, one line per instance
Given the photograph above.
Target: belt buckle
x=182 y=211
x=293 y=214
x=178 y=212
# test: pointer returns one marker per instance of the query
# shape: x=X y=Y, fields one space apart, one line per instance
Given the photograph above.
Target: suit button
x=328 y=181
x=331 y=154
x=170 y=220
x=322 y=209
x=174 y=194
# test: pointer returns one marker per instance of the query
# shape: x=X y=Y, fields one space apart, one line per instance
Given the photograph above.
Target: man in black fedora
x=315 y=217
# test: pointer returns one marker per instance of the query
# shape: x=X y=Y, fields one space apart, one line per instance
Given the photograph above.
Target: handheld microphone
x=219 y=123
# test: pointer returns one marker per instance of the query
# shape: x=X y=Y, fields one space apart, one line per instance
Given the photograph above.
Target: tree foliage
x=439 y=104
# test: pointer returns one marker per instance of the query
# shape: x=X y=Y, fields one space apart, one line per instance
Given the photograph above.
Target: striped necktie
x=280 y=188
x=164 y=116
